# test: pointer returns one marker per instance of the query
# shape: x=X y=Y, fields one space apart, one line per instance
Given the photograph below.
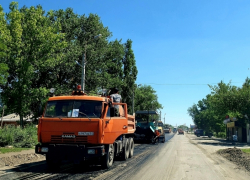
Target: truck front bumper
x=60 y=152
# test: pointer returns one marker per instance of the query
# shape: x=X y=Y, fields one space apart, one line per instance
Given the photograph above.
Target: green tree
x=33 y=47
x=129 y=74
x=146 y=99
x=3 y=73
x=3 y=67
x=113 y=72
x=225 y=99
x=103 y=58
x=183 y=127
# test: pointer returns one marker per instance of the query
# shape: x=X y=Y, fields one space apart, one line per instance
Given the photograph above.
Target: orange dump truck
x=81 y=128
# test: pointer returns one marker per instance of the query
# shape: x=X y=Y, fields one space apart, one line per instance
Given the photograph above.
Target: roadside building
x=234 y=127
x=14 y=119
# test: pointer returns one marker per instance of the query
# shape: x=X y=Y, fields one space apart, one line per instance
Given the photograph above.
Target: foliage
x=33 y=48
x=3 y=73
x=129 y=74
x=40 y=51
x=18 y=137
x=183 y=127
x=220 y=135
x=8 y=150
x=80 y=32
x=225 y=99
x=146 y=99
x=108 y=64
x=3 y=67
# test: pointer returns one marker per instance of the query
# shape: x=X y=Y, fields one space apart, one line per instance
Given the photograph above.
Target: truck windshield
x=73 y=108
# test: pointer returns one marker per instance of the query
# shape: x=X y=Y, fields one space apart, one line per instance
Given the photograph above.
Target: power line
x=186 y=84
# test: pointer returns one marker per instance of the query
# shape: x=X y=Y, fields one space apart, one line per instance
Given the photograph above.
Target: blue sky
x=179 y=45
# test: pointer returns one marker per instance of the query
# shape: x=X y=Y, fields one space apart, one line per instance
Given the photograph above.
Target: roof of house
x=14 y=117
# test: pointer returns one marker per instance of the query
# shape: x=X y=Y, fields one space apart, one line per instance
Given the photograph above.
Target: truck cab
x=79 y=128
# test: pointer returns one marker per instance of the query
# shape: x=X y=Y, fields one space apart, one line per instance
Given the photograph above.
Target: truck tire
x=131 y=149
x=108 y=158
x=125 y=150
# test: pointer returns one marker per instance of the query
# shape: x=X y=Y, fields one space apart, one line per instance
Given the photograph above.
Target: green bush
x=220 y=135
x=18 y=137
x=6 y=135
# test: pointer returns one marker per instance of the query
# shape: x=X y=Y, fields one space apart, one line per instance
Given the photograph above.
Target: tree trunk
x=2 y=118
x=21 y=121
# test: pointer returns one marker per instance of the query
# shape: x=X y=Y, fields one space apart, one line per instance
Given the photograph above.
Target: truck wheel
x=131 y=149
x=108 y=158
x=125 y=150
x=163 y=140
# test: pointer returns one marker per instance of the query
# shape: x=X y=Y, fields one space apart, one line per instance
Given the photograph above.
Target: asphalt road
x=180 y=157
x=183 y=158
x=119 y=170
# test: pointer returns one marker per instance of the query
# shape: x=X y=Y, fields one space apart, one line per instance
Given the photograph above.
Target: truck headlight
x=91 y=151
x=44 y=149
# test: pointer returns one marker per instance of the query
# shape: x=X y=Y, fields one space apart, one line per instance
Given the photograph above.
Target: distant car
x=180 y=131
x=200 y=132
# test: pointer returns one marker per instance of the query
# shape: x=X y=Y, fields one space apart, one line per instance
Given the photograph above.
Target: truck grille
x=77 y=139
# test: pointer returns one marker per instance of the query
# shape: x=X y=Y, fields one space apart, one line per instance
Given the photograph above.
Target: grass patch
x=8 y=150
x=246 y=151
x=17 y=137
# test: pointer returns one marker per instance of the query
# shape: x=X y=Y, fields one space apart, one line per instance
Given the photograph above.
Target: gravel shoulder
x=16 y=158
x=30 y=151
x=236 y=156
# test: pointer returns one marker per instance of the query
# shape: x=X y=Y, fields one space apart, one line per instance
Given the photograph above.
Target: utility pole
x=83 y=69
x=160 y=118
x=84 y=61
x=164 y=117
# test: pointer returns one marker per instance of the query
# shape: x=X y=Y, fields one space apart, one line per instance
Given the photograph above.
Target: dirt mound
x=20 y=159
x=236 y=156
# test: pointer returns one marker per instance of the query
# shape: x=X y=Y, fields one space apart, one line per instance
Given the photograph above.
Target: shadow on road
x=41 y=167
